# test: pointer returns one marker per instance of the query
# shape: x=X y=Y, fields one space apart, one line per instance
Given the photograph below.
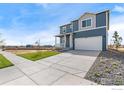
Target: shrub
x=97 y=74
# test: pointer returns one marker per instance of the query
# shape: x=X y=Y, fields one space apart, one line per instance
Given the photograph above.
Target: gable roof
x=86 y=13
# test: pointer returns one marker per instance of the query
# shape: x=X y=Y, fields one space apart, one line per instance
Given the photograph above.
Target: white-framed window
x=71 y=27
x=86 y=22
x=64 y=29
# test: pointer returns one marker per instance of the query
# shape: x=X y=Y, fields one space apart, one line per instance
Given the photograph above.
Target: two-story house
x=89 y=32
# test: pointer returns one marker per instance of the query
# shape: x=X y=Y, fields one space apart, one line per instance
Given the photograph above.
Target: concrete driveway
x=67 y=68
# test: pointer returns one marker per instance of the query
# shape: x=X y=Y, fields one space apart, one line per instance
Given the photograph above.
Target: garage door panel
x=89 y=43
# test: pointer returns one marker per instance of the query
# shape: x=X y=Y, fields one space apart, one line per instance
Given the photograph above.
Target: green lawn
x=4 y=62
x=38 y=55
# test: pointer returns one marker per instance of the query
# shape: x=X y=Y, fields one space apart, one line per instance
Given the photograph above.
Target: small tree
x=38 y=43
x=117 y=39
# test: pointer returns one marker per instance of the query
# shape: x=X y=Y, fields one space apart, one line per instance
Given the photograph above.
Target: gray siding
x=75 y=25
x=101 y=19
x=104 y=43
x=73 y=43
x=92 y=33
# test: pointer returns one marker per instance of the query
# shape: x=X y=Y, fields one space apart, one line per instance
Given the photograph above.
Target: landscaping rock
x=105 y=81
x=108 y=69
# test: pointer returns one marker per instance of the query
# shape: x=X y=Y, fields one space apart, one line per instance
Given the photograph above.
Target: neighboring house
x=89 y=32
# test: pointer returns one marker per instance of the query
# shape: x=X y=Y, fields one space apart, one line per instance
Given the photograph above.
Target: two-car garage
x=88 y=43
x=95 y=39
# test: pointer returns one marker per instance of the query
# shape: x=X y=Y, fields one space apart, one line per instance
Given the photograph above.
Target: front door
x=67 y=41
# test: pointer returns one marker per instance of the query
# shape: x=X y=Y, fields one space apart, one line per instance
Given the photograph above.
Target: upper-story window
x=86 y=23
x=64 y=29
x=69 y=28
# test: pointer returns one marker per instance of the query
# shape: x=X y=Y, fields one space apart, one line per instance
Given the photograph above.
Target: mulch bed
x=108 y=68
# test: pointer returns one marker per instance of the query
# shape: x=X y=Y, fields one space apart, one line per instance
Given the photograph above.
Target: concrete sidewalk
x=67 y=68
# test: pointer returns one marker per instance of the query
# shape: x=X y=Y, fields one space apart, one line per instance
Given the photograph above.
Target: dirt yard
x=121 y=49
x=24 y=51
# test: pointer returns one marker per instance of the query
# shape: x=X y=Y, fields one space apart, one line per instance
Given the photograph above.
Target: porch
x=64 y=41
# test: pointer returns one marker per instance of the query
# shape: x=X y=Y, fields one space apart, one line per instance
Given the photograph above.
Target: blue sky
x=27 y=23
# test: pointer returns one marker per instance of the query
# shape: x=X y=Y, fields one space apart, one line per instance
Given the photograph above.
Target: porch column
x=64 y=41
x=55 y=41
x=71 y=45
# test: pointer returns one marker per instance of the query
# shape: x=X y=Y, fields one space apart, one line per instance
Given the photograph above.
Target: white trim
x=107 y=20
x=55 y=41
x=95 y=21
x=64 y=41
x=81 y=31
x=71 y=43
x=71 y=26
x=83 y=15
x=59 y=35
x=89 y=29
x=107 y=26
x=107 y=40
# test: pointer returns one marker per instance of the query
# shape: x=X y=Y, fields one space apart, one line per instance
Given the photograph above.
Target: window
x=89 y=22
x=86 y=23
x=71 y=26
x=69 y=29
x=64 y=29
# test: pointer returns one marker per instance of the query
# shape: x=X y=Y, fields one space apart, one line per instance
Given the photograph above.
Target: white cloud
x=46 y=36
x=119 y=8
x=12 y=42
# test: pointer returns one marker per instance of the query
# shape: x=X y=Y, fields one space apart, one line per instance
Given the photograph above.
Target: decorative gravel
x=108 y=69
